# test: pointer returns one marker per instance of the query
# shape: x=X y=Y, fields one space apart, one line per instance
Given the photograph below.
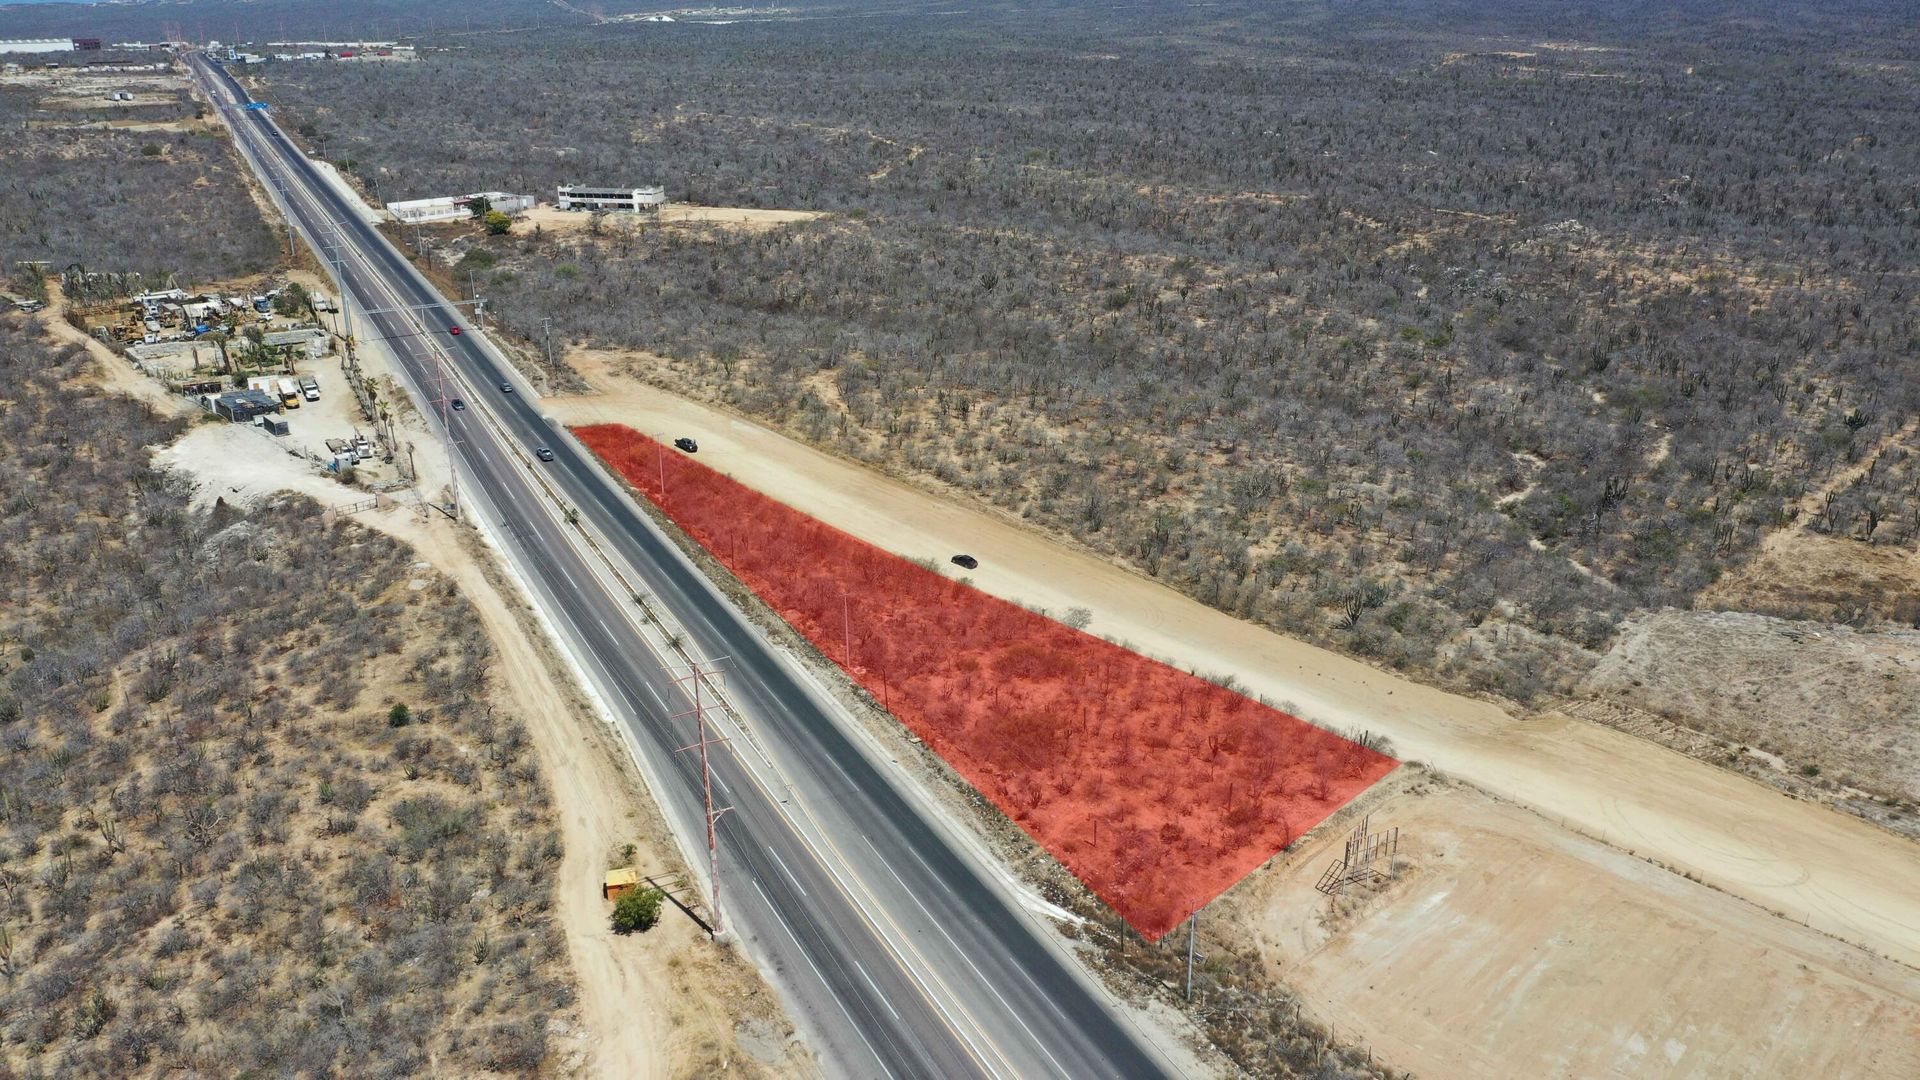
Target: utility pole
x=698 y=674
x=546 y=326
x=660 y=452
x=446 y=424
x=1192 y=922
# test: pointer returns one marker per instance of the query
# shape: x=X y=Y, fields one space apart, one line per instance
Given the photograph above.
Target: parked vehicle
x=687 y=444
x=289 y=393
x=966 y=561
x=310 y=388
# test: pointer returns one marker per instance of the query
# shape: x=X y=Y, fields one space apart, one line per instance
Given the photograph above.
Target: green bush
x=399 y=715
x=637 y=910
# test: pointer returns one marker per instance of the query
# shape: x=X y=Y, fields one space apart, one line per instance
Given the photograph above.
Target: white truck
x=310 y=388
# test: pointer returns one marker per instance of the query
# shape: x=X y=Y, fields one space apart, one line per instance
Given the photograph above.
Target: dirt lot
x=1843 y=876
x=564 y=221
x=1509 y=947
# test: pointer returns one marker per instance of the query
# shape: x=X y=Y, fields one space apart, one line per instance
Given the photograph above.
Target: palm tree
x=219 y=339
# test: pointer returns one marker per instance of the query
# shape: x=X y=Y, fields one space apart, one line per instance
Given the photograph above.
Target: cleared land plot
x=1510 y=947
x=1158 y=789
x=554 y=219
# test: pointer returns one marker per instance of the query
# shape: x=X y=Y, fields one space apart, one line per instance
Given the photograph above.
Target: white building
x=36 y=45
x=455 y=207
x=584 y=197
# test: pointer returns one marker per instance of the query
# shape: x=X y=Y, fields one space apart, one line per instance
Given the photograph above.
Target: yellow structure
x=620 y=882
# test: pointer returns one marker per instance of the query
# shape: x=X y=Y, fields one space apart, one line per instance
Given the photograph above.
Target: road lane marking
x=802 y=949
x=789 y=873
x=984 y=981
x=876 y=989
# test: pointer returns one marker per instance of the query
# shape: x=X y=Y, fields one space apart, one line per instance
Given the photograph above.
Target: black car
x=506 y=388
x=967 y=561
x=686 y=444
x=459 y=406
x=543 y=454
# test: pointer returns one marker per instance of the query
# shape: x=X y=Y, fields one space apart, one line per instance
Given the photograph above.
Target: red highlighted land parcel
x=1157 y=789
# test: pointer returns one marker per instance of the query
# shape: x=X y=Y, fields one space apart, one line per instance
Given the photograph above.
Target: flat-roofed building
x=455 y=207
x=590 y=197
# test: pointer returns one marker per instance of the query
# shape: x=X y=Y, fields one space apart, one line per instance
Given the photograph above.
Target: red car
x=454 y=330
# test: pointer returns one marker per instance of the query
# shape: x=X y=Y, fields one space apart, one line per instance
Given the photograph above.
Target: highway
x=896 y=946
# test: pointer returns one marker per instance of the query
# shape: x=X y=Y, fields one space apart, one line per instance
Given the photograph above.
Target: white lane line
x=1044 y=996
x=876 y=989
x=801 y=949
x=789 y=873
x=984 y=981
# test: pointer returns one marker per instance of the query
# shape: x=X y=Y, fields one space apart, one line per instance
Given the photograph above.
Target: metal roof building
x=241 y=406
x=37 y=45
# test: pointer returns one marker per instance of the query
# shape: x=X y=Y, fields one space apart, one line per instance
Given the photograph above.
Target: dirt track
x=1839 y=875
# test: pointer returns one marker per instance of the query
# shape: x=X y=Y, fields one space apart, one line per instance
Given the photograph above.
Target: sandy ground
x=82 y=99
x=662 y=1004
x=1839 y=875
x=1512 y=948
x=564 y=221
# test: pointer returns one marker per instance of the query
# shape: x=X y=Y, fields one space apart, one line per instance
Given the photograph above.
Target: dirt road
x=1838 y=875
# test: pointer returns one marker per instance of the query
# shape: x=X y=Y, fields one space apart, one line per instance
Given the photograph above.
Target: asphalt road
x=897 y=947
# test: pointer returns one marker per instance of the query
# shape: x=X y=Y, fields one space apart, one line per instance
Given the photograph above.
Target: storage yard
x=265 y=354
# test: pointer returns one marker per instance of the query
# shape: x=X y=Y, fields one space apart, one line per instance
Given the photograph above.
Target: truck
x=289 y=393
x=310 y=388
